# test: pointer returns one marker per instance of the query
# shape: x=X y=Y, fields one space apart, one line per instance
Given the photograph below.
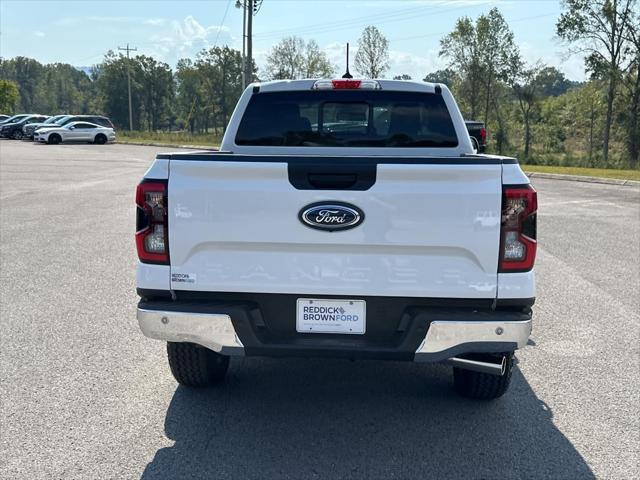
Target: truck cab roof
x=308 y=84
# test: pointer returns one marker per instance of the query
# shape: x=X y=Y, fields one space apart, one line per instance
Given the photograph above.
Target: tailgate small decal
x=183 y=277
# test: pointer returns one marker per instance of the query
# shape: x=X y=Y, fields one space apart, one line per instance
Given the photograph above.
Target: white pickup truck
x=340 y=218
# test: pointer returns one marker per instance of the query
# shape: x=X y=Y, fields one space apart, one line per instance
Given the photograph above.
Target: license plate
x=320 y=315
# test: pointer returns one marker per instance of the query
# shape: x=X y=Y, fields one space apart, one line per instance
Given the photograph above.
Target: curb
x=169 y=145
x=582 y=178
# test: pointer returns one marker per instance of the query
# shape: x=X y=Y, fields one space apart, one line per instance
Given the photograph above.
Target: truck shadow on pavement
x=338 y=419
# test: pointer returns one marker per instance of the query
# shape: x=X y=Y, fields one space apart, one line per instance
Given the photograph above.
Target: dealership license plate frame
x=340 y=327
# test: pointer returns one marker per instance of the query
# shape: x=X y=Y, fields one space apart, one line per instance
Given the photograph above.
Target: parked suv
x=14 y=129
x=97 y=119
x=340 y=218
x=14 y=118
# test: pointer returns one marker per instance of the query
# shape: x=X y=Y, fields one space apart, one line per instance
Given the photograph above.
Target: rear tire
x=483 y=386
x=100 y=139
x=17 y=135
x=196 y=366
x=54 y=139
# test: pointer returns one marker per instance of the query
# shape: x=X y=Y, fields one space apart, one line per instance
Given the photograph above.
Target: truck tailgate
x=430 y=229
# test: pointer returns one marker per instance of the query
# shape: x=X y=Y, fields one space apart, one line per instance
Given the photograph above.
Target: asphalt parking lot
x=85 y=395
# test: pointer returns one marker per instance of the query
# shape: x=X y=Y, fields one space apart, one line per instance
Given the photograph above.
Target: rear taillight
x=483 y=135
x=152 y=232
x=518 y=228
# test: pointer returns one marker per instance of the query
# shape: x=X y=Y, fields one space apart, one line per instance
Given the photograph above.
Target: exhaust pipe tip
x=497 y=369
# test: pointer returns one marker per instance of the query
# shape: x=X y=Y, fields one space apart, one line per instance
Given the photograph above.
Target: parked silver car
x=75 y=132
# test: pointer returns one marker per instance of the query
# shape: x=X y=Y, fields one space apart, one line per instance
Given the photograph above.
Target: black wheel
x=54 y=139
x=483 y=386
x=100 y=139
x=196 y=366
x=17 y=135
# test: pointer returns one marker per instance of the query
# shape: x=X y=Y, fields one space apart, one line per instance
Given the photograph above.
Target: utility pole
x=244 y=44
x=248 y=62
x=249 y=9
x=129 y=81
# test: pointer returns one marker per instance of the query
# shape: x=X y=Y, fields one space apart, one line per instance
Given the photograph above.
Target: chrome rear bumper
x=213 y=331
x=444 y=338
x=447 y=335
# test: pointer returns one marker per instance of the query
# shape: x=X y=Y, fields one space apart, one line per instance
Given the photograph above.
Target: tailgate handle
x=331 y=173
x=332 y=181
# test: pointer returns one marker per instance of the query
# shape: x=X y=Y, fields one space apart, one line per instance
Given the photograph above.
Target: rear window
x=105 y=122
x=347 y=119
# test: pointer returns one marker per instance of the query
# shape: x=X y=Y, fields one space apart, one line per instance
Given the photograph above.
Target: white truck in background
x=340 y=218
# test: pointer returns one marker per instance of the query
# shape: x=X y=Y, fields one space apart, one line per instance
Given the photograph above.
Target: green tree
x=599 y=28
x=9 y=96
x=526 y=86
x=27 y=73
x=292 y=58
x=372 y=58
x=404 y=76
x=316 y=62
x=631 y=92
x=190 y=96
x=569 y=124
x=552 y=82
x=498 y=53
x=111 y=83
x=286 y=59
x=67 y=89
x=485 y=58
x=49 y=89
x=221 y=72
x=446 y=76
x=158 y=91
x=501 y=102
x=460 y=47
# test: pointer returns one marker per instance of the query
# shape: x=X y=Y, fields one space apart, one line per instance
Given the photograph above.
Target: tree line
x=531 y=110
x=199 y=95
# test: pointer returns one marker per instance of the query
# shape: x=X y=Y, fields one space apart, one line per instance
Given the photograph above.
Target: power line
x=342 y=25
x=397 y=39
x=224 y=17
x=348 y=21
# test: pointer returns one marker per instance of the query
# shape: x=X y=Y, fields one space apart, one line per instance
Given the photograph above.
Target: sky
x=80 y=32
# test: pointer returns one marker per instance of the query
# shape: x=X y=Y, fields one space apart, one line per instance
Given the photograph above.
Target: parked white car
x=75 y=132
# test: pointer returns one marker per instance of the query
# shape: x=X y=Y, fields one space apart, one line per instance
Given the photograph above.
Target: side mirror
x=72 y=127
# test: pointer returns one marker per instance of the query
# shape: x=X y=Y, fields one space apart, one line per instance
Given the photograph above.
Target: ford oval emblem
x=331 y=216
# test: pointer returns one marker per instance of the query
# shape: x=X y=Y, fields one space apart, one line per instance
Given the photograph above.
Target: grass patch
x=169 y=138
x=590 y=172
